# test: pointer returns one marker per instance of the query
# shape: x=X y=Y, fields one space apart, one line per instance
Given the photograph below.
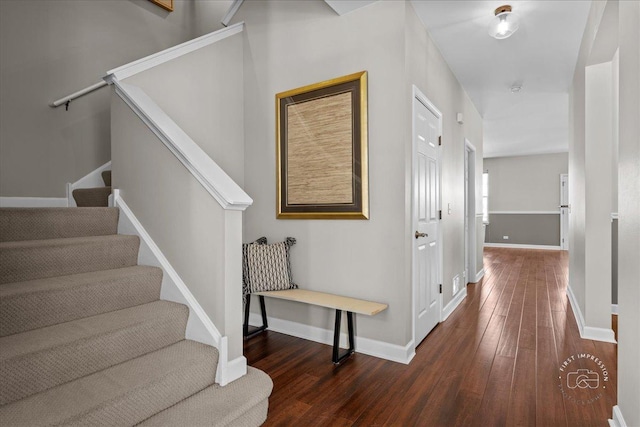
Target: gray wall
x=291 y=44
x=211 y=80
x=523 y=190
x=524 y=229
x=49 y=49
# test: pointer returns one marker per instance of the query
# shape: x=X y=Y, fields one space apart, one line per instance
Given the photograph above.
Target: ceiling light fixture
x=516 y=88
x=504 y=24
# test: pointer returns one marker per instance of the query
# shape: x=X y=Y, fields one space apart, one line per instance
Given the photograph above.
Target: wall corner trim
x=588 y=332
x=618 y=419
x=368 y=346
x=479 y=275
x=453 y=304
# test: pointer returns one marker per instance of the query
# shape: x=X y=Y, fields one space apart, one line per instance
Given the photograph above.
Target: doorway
x=469 y=212
x=426 y=214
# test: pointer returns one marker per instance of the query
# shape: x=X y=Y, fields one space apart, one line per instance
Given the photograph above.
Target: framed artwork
x=165 y=4
x=322 y=150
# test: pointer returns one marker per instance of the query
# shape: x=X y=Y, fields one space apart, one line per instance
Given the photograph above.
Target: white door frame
x=564 y=212
x=470 y=212
x=417 y=94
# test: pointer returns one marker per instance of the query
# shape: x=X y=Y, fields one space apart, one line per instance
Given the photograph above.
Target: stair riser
x=25 y=312
x=106 y=178
x=19 y=262
x=56 y=223
x=91 y=197
x=32 y=373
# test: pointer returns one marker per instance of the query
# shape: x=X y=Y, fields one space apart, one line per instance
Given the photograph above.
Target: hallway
x=495 y=362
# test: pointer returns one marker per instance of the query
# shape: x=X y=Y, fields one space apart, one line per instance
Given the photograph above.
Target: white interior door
x=426 y=248
x=564 y=211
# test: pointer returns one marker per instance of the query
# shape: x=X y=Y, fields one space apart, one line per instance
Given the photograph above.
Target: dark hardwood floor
x=494 y=362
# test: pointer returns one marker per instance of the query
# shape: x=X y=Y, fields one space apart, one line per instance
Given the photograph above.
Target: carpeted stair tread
x=122 y=395
x=55 y=223
x=43 y=302
x=37 y=360
x=91 y=197
x=243 y=402
x=106 y=178
x=36 y=259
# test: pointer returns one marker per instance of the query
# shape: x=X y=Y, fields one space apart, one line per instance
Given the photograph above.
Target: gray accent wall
x=524 y=229
x=50 y=49
x=524 y=193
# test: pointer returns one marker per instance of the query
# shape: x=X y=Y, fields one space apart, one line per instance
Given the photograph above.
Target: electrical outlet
x=456 y=284
x=505 y=237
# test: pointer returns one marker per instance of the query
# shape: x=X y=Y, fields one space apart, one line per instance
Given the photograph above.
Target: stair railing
x=66 y=100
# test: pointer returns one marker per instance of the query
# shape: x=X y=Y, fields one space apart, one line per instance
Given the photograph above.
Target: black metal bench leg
x=337 y=358
x=263 y=309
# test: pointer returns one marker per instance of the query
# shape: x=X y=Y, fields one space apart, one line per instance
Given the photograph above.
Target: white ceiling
x=540 y=56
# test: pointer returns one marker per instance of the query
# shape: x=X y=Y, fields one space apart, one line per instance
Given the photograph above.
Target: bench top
x=322 y=299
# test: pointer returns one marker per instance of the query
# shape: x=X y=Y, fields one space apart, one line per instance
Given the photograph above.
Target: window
x=485 y=197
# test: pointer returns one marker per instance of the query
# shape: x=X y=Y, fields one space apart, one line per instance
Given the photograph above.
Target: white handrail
x=78 y=94
x=174 y=52
x=231 y=12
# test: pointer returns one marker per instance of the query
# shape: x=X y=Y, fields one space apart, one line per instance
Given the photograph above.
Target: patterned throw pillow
x=269 y=266
x=245 y=267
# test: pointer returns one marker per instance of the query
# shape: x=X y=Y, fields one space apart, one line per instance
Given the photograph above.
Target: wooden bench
x=339 y=303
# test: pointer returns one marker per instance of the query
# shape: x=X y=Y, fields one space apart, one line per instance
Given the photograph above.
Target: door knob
x=421 y=234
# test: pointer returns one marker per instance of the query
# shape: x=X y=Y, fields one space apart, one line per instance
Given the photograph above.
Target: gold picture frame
x=322 y=150
x=165 y=4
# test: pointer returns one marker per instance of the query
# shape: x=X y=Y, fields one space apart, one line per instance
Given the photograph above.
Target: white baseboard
x=599 y=334
x=33 y=202
x=383 y=350
x=454 y=303
x=479 y=275
x=91 y=180
x=517 y=246
x=618 y=419
x=588 y=332
x=199 y=326
x=614 y=309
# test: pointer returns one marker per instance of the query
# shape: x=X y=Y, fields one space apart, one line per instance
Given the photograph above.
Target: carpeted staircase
x=98 y=196
x=86 y=340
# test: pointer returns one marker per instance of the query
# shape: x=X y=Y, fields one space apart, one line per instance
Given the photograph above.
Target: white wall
x=577 y=189
x=49 y=49
x=526 y=183
x=598 y=184
x=291 y=44
x=629 y=210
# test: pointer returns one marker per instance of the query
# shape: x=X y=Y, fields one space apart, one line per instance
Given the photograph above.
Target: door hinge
x=440 y=214
x=440 y=288
x=440 y=140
